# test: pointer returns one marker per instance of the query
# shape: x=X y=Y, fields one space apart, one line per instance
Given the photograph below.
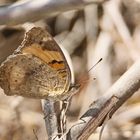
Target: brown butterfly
x=37 y=69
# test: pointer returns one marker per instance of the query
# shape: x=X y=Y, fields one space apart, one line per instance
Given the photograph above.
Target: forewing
x=37 y=68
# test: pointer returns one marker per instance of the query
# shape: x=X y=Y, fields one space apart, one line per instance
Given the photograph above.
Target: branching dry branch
x=35 y=10
x=123 y=89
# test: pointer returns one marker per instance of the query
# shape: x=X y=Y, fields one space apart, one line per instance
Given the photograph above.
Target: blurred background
x=110 y=31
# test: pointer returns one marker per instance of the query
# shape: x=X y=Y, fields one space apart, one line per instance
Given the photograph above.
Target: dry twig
x=18 y=13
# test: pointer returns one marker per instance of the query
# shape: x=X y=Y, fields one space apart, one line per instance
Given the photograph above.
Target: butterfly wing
x=37 y=68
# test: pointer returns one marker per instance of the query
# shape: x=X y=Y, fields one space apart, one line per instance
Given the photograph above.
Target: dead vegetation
x=110 y=31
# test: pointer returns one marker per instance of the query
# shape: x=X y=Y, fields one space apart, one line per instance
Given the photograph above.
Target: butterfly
x=37 y=68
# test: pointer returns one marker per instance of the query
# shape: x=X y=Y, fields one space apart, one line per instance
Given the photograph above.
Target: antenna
x=86 y=80
x=95 y=64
